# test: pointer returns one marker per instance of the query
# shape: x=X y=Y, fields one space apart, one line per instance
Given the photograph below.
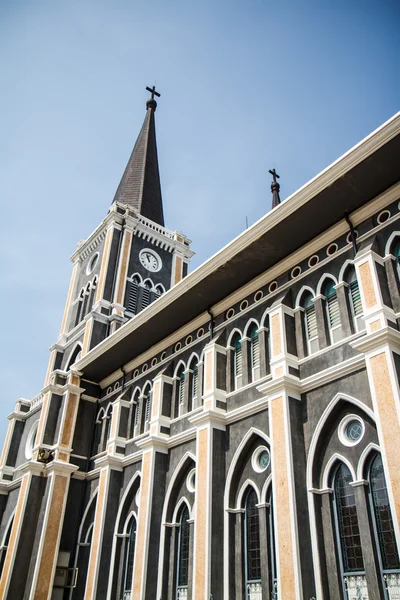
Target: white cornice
x=323 y=180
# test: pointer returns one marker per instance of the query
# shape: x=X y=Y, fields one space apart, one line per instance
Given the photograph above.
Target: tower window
x=237 y=361
x=129 y=560
x=310 y=323
x=182 y=576
x=252 y=547
x=332 y=311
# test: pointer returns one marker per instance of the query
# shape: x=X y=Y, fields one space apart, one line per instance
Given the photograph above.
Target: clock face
x=150 y=260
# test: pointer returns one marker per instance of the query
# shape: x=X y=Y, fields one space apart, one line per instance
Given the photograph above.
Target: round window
x=30 y=442
x=92 y=263
x=191 y=481
x=351 y=430
x=354 y=431
x=261 y=459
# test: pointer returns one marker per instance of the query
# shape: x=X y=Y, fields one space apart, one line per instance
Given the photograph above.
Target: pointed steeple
x=275 y=187
x=140 y=184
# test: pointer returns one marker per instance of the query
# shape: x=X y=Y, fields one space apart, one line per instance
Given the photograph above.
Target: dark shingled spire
x=140 y=184
x=275 y=187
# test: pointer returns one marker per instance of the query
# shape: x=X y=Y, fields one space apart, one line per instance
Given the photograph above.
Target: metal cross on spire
x=153 y=92
x=275 y=187
x=272 y=171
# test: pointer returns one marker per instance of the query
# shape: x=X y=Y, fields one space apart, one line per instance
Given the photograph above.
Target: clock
x=150 y=260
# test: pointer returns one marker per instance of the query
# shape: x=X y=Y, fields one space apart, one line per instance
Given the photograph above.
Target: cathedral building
x=226 y=434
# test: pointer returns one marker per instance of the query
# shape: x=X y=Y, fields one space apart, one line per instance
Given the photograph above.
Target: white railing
x=356 y=587
x=254 y=591
x=392 y=583
x=159 y=228
x=36 y=401
x=181 y=593
x=127 y=596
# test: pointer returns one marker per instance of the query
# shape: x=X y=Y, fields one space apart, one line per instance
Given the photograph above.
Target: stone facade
x=237 y=443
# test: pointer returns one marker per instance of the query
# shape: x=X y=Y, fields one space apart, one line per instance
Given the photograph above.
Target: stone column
x=381 y=349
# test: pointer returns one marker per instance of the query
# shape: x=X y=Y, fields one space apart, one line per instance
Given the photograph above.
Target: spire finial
x=151 y=103
x=275 y=187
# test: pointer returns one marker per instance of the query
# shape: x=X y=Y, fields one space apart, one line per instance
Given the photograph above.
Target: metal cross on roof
x=274 y=174
x=153 y=92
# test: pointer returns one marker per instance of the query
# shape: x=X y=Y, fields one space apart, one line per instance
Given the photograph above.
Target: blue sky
x=246 y=86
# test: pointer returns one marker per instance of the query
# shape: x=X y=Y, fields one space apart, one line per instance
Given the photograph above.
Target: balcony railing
x=356 y=587
x=392 y=584
x=181 y=593
x=254 y=591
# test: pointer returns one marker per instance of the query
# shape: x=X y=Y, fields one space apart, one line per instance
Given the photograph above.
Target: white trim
x=348 y=263
x=131 y=514
x=233 y=332
x=251 y=321
x=252 y=431
x=245 y=485
x=88 y=506
x=345 y=440
x=185 y=458
x=300 y=294
x=364 y=457
x=322 y=280
x=182 y=500
x=336 y=457
x=177 y=368
x=392 y=237
x=7 y=527
x=265 y=488
x=309 y=480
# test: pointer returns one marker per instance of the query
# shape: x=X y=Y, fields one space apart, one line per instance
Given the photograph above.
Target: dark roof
x=354 y=180
x=140 y=184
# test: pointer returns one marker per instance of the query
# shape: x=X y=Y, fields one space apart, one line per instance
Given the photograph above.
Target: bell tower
x=128 y=262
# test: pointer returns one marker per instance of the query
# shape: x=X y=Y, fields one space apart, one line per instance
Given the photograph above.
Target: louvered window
x=147 y=409
x=311 y=322
x=237 y=357
x=145 y=297
x=356 y=298
x=332 y=305
x=181 y=387
x=108 y=427
x=133 y=296
x=195 y=381
x=255 y=348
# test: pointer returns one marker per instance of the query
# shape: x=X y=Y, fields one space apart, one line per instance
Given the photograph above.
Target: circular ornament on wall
x=351 y=430
x=191 y=481
x=150 y=260
x=261 y=459
x=92 y=263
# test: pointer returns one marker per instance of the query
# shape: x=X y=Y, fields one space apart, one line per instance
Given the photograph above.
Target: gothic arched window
x=355 y=299
x=310 y=323
x=79 y=315
x=347 y=530
x=182 y=562
x=146 y=294
x=193 y=383
x=252 y=552
x=4 y=547
x=254 y=353
x=386 y=539
x=237 y=361
x=332 y=310
x=147 y=411
x=129 y=557
x=133 y=292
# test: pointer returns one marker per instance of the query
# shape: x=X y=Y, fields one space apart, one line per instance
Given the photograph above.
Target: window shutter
x=147 y=412
x=181 y=387
x=137 y=414
x=238 y=358
x=311 y=322
x=195 y=380
x=356 y=298
x=145 y=297
x=255 y=349
x=333 y=310
x=133 y=295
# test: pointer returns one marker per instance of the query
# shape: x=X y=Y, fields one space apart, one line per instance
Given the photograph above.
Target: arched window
x=146 y=294
x=86 y=301
x=382 y=515
x=133 y=415
x=347 y=532
x=4 y=546
x=193 y=383
x=79 y=315
x=310 y=323
x=182 y=562
x=92 y=294
x=355 y=299
x=75 y=356
x=237 y=361
x=129 y=557
x=332 y=310
x=158 y=291
x=147 y=411
x=107 y=426
x=252 y=552
x=254 y=353
x=133 y=292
